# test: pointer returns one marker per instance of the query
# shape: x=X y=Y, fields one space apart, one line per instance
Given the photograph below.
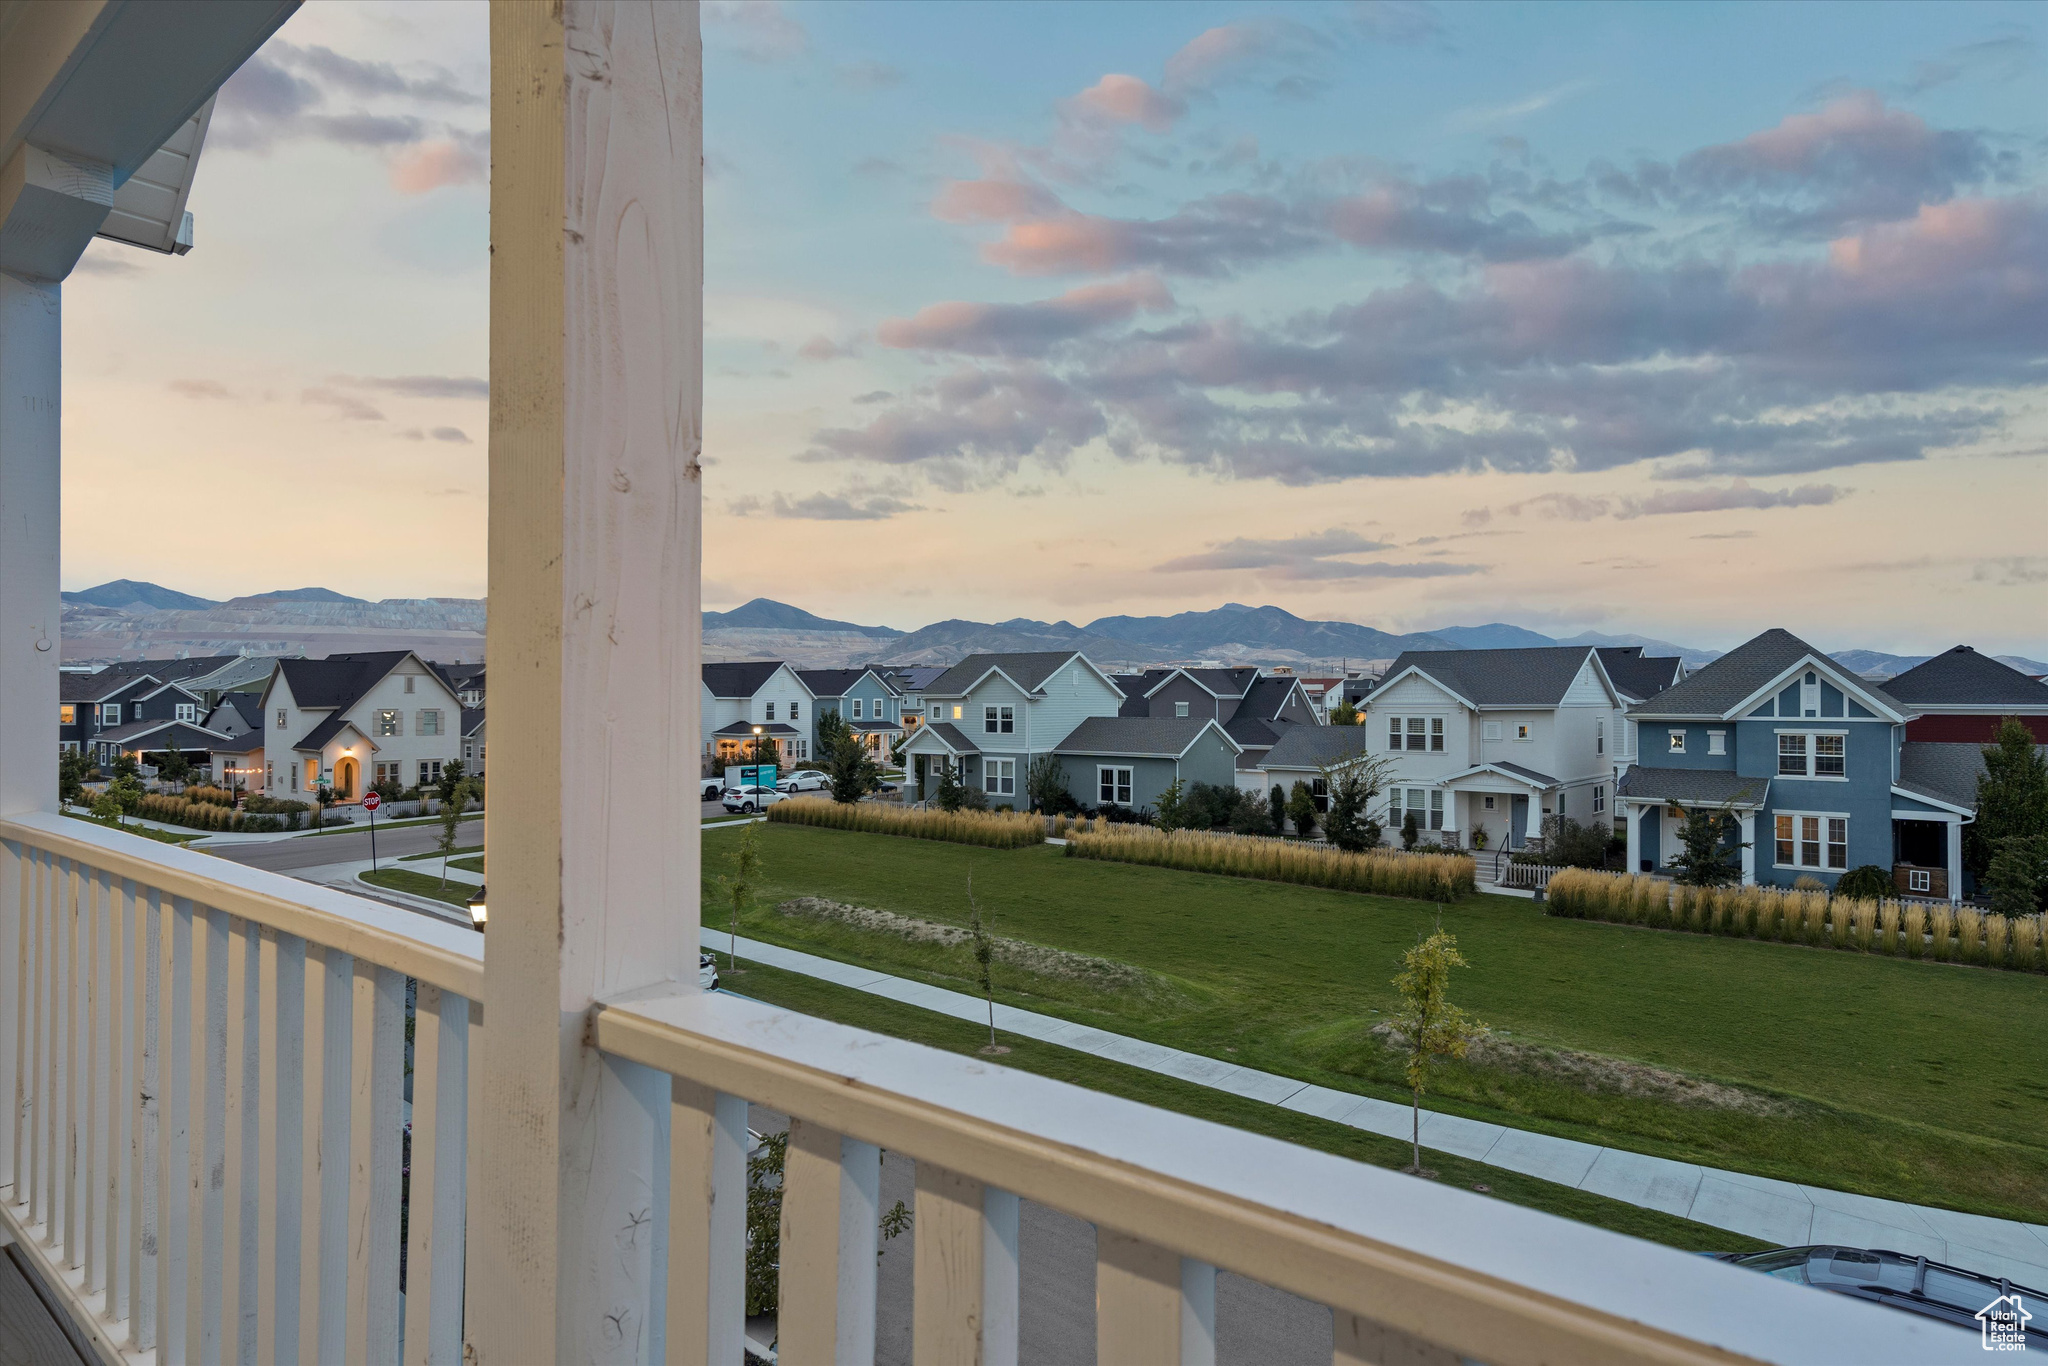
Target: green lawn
x=847 y=1006
x=1916 y=1081
x=419 y=884
x=436 y=853
x=350 y=827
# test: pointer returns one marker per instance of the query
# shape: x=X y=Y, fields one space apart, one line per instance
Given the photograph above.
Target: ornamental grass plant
x=1804 y=916
x=1386 y=872
x=993 y=829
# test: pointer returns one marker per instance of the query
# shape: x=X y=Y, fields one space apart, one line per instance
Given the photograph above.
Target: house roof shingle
x=1709 y=786
x=742 y=678
x=247 y=705
x=742 y=729
x=472 y=717
x=1253 y=732
x=1266 y=697
x=825 y=683
x=183 y=734
x=337 y=681
x=955 y=738
x=1537 y=677
x=1962 y=677
x=97 y=687
x=1945 y=772
x=1316 y=746
x=1139 y=737
x=1636 y=674
x=1723 y=684
x=1028 y=670
x=909 y=677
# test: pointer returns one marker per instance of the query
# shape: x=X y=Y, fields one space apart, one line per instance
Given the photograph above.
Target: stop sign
x=371 y=801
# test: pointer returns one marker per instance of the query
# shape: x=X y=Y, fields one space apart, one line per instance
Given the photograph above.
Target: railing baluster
x=205 y=1133
x=91 y=1069
x=377 y=1076
x=287 y=1066
x=15 y=919
x=947 y=1261
x=1197 y=1313
x=145 y=1094
x=38 y=1117
x=235 y=1045
x=323 y=1269
x=114 y=1098
x=1000 y=1306
x=66 y=1143
x=434 y=1204
x=830 y=1191
x=271 y=1074
x=1137 y=1301
x=1366 y=1342
x=174 y=1116
x=706 y=1314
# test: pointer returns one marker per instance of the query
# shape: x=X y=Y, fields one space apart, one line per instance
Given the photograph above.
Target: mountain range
x=129 y=619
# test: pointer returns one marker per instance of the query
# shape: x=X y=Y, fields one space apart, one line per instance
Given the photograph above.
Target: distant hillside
x=1651 y=646
x=1878 y=664
x=295 y=595
x=1272 y=628
x=768 y=614
x=945 y=642
x=1496 y=635
x=133 y=592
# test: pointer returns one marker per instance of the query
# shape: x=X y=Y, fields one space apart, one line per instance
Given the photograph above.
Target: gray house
x=1254 y=709
x=990 y=715
x=1303 y=755
x=1129 y=761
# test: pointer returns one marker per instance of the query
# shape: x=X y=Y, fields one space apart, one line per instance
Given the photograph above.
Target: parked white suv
x=750 y=798
x=806 y=780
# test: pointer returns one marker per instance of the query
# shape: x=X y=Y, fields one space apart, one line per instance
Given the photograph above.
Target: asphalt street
x=311 y=851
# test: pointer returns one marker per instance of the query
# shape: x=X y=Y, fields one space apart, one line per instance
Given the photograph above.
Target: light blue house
x=869 y=702
x=1811 y=758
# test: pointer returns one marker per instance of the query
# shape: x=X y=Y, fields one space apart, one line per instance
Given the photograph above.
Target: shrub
x=1888 y=927
x=995 y=829
x=211 y=796
x=1969 y=934
x=2027 y=943
x=1869 y=880
x=1276 y=809
x=1428 y=877
x=1411 y=828
x=1942 y=923
x=1301 y=809
x=1997 y=939
x=1913 y=925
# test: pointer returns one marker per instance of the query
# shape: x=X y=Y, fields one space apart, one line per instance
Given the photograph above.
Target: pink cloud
x=988 y=329
x=1945 y=241
x=992 y=201
x=1128 y=99
x=1208 y=54
x=431 y=165
x=1799 y=142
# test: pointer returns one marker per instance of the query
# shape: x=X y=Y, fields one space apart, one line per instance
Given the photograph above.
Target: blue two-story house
x=868 y=701
x=100 y=714
x=1807 y=755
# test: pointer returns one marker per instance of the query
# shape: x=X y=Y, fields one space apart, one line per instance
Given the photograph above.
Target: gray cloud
x=201 y=388
x=345 y=406
x=1025 y=329
x=423 y=386
x=1310 y=557
x=854 y=505
x=1573 y=507
x=452 y=435
x=285 y=92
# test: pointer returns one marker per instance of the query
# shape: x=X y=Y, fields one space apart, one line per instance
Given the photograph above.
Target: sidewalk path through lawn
x=1776 y=1211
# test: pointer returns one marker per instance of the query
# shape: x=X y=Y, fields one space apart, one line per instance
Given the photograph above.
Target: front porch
x=256 y=1120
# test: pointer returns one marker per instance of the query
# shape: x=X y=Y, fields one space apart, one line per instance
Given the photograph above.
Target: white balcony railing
x=210 y=1071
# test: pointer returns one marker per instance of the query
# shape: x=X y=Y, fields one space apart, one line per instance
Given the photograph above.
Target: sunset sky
x=1684 y=320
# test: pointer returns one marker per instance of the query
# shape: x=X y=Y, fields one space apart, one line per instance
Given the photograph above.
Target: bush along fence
x=1427 y=877
x=995 y=829
x=205 y=814
x=1903 y=929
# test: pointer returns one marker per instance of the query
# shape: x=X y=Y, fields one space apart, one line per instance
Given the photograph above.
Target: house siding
x=1864 y=796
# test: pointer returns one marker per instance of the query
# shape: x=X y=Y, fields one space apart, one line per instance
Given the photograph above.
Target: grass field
x=1901 y=1079
x=847 y=1006
x=436 y=853
x=420 y=884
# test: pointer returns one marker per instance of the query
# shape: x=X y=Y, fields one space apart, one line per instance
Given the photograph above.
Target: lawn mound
x=1103 y=974
x=1598 y=1074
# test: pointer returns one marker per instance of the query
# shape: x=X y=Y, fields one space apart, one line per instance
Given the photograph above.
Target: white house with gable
x=1496 y=740
x=348 y=722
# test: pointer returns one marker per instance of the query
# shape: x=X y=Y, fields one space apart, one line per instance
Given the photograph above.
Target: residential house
x=1812 y=760
x=117 y=710
x=1130 y=761
x=1637 y=676
x=1959 y=697
x=237 y=713
x=1496 y=740
x=466 y=680
x=990 y=715
x=473 y=741
x=866 y=698
x=349 y=722
x=1254 y=708
x=910 y=681
x=1304 y=754
x=237 y=761
x=755 y=697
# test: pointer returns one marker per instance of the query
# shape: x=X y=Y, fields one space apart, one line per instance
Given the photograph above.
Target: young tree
x=1045 y=783
x=1353 y=783
x=1706 y=858
x=1301 y=809
x=1276 y=807
x=951 y=794
x=72 y=767
x=2018 y=876
x=1431 y=1027
x=984 y=955
x=742 y=882
x=1345 y=713
x=766 y=750
x=453 y=803
x=453 y=776
x=851 y=769
x=175 y=768
x=2012 y=796
x=1173 y=809
x=124 y=766
x=1411 y=828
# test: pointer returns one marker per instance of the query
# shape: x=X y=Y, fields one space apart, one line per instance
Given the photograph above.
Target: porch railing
x=209 y=1065
x=207 y=1157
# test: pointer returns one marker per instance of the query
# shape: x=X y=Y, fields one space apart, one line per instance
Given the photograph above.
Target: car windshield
x=1787 y=1265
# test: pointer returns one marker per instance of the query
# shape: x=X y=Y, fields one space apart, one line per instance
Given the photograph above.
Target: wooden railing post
x=595 y=643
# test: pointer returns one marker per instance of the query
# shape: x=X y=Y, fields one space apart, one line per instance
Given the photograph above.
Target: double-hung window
x=428 y=722
x=1812 y=841
x=387 y=722
x=110 y=713
x=1830 y=756
x=770 y=714
x=858 y=707
x=1812 y=754
x=1417 y=727
x=1436 y=810
x=1319 y=790
x=998 y=720
x=1393 y=732
x=999 y=777
x=67 y=714
x=1599 y=737
x=1599 y=800
x=1792 y=756
x=187 y=712
x=282 y=720
x=793 y=711
x=1677 y=741
x=1113 y=786
x=430 y=771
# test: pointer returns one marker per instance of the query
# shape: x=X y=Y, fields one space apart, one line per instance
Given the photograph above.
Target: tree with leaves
x=454 y=774
x=1411 y=828
x=1430 y=1027
x=742 y=882
x=951 y=794
x=1174 y=809
x=850 y=768
x=1301 y=809
x=984 y=956
x=1352 y=784
x=124 y=766
x=1710 y=842
x=1045 y=783
x=175 y=768
x=1345 y=713
x=2012 y=796
x=2018 y=876
x=453 y=803
x=1276 y=809
x=72 y=766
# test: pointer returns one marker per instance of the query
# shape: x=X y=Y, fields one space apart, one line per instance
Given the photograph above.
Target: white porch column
x=1748 y=848
x=1955 y=860
x=31 y=339
x=594 y=654
x=1632 y=815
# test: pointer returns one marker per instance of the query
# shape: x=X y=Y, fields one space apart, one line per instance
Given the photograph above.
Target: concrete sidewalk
x=1781 y=1212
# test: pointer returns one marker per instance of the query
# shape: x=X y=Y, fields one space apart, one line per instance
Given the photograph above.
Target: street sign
x=371 y=801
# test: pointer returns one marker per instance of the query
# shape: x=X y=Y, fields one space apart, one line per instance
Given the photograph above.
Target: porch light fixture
x=476 y=910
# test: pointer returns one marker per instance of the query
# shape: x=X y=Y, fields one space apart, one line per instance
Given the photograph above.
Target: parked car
x=1933 y=1290
x=805 y=780
x=751 y=798
x=707 y=972
x=713 y=788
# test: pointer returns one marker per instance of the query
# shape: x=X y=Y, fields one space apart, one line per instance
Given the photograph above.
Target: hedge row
x=995 y=829
x=1910 y=929
x=202 y=815
x=1385 y=872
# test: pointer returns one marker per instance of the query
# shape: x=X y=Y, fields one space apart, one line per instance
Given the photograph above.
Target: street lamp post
x=759 y=804
x=476 y=910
